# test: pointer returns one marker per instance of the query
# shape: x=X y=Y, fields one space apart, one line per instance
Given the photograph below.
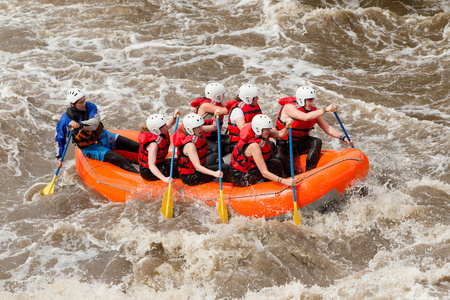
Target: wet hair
x=184 y=130
x=144 y=128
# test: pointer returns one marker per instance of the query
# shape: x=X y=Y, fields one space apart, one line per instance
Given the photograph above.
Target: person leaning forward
x=154 y=140
x=303 y=111
x=205 y=107
x=242 y=110
x=194 y=164
x=252 y=159
x=89 y=135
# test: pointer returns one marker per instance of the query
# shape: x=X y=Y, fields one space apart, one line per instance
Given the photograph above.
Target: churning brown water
x=386 y=64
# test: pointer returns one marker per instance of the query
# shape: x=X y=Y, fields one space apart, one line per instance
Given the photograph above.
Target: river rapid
x=385 y=63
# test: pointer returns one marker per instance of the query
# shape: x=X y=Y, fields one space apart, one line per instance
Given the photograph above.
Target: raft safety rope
x=111 y=185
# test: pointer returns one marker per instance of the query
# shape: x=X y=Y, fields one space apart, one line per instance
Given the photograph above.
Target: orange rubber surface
x=337 y=170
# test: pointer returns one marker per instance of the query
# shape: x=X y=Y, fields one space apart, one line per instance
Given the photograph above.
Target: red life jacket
x=209 y=116
x=162 y=141
x=249 y=113
x=245 y=163
x=185 y=165
x=299 y=128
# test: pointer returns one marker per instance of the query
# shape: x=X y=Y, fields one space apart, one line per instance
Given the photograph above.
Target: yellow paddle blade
x=167 y=205
x=50 y=188
x=222 y=209
x=296 y=214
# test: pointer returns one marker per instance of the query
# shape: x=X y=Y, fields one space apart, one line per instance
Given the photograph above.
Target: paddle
x=221 y=208
x=291 y=156
x=167 y=205
x=50 y=188
x=342 y=126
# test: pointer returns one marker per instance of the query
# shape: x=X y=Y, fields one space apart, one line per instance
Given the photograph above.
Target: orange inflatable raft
x=337 y=171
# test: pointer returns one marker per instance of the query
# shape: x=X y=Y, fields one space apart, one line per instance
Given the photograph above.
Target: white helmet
x=155 y=122
x=261 y=122
x=303 y=93
x=215 y=91
x=191 y=121
x=74 y=95
x=247 y=92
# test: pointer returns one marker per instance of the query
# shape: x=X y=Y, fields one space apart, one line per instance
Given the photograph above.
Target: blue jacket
x=61 y=128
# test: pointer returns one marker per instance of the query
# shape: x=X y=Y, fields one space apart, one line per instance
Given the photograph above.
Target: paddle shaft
x=173 y=150
x=167 y=204
x=65 y=150
x=221 y=208
x=48 y=190
x=342 y=126
x=291 y=157
x=219 y=151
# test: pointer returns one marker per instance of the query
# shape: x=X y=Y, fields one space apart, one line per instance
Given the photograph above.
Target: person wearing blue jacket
x=89 y=135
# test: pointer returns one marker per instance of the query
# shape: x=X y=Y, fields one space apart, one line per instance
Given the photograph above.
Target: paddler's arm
x=191 y=151
x=152 y=149
x=254 y=150
x=74 y=124
x=213 y=127
x=240 y=123
x=237 y=117
x=292 y=112
x=211 y=108
x=61 y=138
x=90 y=124
x=173 y=120
x=331 y=131
x=283 y=132
x=209 y=128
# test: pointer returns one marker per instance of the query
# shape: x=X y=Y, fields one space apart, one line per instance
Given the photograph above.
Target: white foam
x=138 y=58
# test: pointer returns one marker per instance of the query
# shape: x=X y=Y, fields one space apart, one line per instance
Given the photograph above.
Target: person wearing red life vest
x=252 y=160
x=242 y=110
x=303 y=111
x=194 y=165
x=206 y=106
x=154 y=142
